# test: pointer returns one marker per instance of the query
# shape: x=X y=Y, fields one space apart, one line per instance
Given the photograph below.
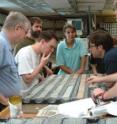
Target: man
x=71 y=52
x=36 y=28
x=101 y=46
x=33 y=58
x=14 y=30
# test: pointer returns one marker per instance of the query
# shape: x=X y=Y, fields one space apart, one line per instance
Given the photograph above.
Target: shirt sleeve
x=60 y=55
x=23 y=63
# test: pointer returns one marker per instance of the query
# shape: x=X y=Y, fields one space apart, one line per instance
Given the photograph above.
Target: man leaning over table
x=101 y=46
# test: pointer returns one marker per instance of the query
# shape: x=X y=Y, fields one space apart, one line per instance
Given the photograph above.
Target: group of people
x=25 y=68
x=34 y=48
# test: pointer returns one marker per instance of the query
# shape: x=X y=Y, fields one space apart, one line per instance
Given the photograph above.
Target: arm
x=94 y=70
x=66 y=69
x=107 y=78
x=112 y=92
x=101 y=94
x=82 y=66
x=3 y=100
x=83 y=54
x=48 y=70
x=28 y=78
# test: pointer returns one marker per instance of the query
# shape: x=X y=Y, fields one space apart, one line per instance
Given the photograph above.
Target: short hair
x=47 y=35
x=101 y=37
x=15 y=18
x=67 y=25
x=35 y=20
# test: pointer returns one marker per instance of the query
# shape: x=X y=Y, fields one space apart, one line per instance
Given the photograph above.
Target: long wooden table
x=54 y=90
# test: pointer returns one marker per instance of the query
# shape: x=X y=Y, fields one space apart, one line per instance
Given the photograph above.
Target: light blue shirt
x=70 y=57
x=9 y=79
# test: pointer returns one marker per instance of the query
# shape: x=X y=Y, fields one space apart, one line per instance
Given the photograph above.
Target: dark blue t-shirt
x=110 y=61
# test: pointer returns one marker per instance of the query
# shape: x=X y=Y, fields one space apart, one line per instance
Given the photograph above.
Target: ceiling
x=59 y=7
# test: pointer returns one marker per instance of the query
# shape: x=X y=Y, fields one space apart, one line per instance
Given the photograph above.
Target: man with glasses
x=32 y=59
x=14 y=30
x=101 y=46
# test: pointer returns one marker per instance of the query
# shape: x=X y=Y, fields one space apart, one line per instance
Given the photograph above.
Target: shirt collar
x=67 y=46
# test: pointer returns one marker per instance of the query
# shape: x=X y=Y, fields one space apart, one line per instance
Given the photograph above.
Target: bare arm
x=94 y=70
x=66 y=69
x=28 y=78
x=3 y=100
x=98 y=79
x=112 y=92
x=82 y=66
x=48 y=70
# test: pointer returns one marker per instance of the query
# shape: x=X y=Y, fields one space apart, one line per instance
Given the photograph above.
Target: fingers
x=97 y=93
x=93 y=79
x=90 y=79
x=46 y=56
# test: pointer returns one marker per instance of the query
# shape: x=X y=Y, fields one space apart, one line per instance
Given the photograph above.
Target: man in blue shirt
x=101 y=46
x=14 y=30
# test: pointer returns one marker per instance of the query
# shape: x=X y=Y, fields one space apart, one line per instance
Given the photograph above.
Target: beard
x=35 y=34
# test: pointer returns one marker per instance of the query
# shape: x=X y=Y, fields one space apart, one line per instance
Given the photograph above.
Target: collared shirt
x=70 y=57
x=9 y=79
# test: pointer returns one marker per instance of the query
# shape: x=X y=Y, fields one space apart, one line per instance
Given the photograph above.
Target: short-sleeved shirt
x=27 y=60
x=110 y=61
x=27 y=41
x=70 y=57
x=9 y=80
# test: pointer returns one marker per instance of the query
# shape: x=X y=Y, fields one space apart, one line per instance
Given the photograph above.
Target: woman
x=71 y=52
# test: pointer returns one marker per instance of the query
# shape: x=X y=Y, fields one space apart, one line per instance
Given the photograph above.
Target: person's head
x=99 y=43
x=36 y=26
x=70 y=32
x=16 y=25
x=48 y=42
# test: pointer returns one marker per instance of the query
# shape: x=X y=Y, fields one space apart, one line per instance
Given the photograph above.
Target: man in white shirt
x=33 y=58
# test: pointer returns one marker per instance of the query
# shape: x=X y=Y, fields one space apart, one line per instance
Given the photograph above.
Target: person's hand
x=3 y=100
x=41 y=78
x=98 y=93
x=44 y=59
x=49 y=71
x=80 y=71
x=93 y=79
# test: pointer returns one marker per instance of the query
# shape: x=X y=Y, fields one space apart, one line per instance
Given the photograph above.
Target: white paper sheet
x=77 y=108
x=112 y=108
